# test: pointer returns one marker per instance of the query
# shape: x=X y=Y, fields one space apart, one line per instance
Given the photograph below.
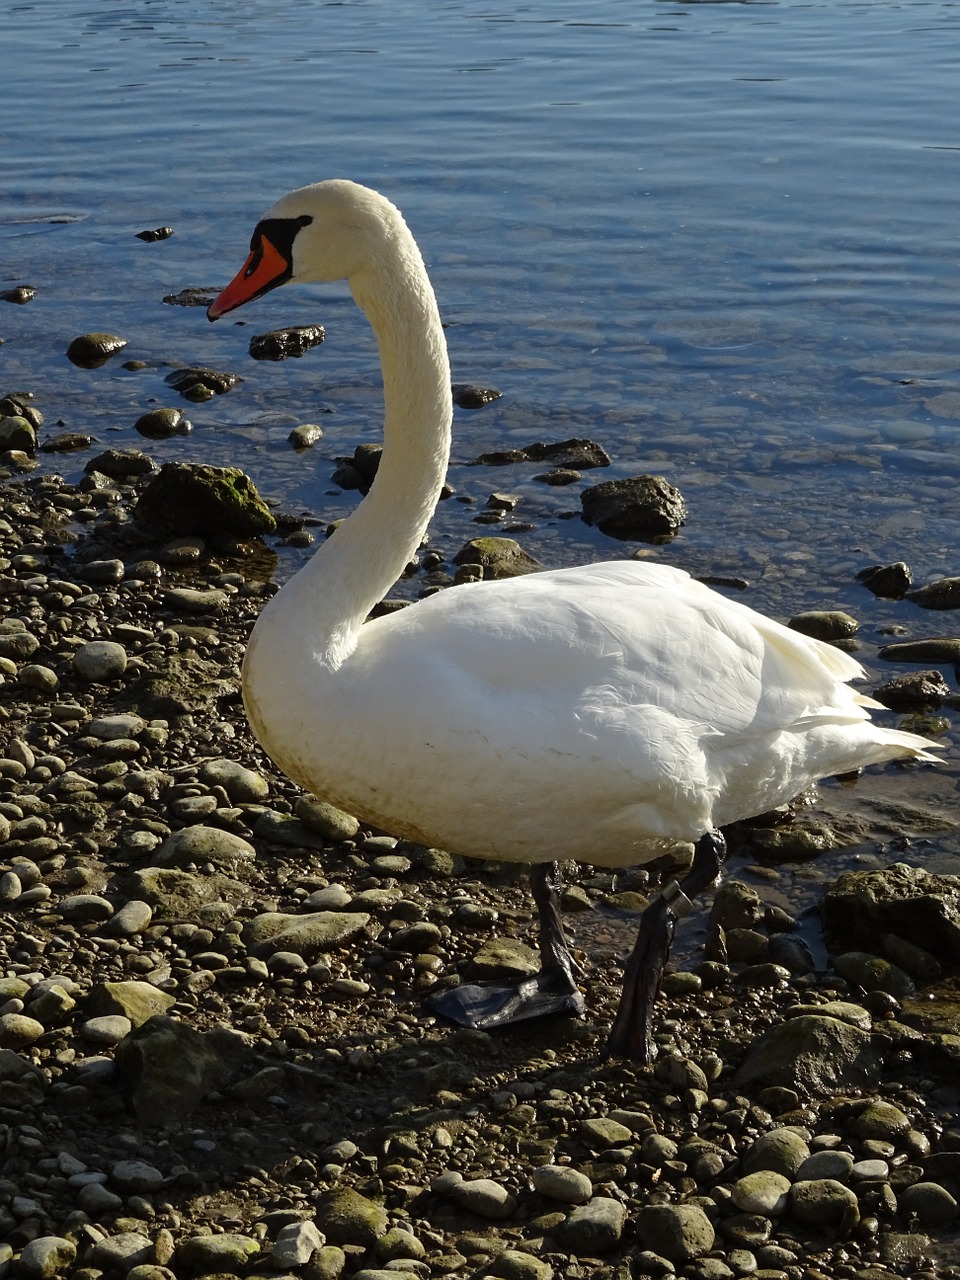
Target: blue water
x=723 y=240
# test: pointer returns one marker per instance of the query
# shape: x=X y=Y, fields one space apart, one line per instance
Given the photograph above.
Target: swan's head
x=328 y=231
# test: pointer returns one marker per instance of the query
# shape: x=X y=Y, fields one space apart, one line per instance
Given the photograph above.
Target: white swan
x=604 y=714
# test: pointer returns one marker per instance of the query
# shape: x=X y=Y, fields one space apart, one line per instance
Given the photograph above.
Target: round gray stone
x=100 y=660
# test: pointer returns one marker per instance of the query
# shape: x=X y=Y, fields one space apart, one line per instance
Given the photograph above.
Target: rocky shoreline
x=213 y=1055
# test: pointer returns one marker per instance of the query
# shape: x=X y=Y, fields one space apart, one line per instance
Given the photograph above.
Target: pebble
x=18 y=1030
x=560 y=1182
x=824 y=1202
x=100 y=661
x=484 y=1197
x=594 y=1227
x=224 y=1253
x=826 y=1164
x=296 y=1244
x=46 y=1256
x=931 y=1204
x=765 y=1193
x=136 y=1176
x=110 y=1029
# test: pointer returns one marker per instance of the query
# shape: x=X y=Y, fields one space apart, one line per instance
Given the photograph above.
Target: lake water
x=722 y=240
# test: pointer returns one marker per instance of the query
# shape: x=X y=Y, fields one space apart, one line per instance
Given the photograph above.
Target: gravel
x=214 y=1058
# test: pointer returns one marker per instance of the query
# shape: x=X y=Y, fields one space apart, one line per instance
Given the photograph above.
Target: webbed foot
x=485 y=1005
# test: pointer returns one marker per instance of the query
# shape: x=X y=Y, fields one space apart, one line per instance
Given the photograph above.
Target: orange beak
x=264 y=269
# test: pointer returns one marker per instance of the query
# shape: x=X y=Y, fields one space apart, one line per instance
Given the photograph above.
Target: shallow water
x=719 y=239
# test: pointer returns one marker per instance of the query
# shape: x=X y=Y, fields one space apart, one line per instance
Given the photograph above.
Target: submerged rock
x=638 y=508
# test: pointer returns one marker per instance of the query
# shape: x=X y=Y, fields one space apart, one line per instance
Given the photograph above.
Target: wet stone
x=199 y=383
x=825 y=624
x=873 y=973
x=91 y=350
x=917 y=691
x=635 y=508
x=160 y=424
x=932 y=1205
x=889 y=581
x=942 y=594
x=279 y=344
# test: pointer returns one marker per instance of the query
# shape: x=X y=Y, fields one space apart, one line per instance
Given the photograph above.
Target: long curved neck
x=358 y=565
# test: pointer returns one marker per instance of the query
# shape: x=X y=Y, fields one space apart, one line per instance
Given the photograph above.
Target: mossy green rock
x=194 y=498
x=498 y=557
x=346 y=1217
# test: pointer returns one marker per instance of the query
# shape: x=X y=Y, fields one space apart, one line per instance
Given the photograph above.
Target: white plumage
x=604 y=713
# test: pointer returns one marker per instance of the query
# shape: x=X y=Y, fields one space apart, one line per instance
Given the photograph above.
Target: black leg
x=552 y=990
x=631 y=1035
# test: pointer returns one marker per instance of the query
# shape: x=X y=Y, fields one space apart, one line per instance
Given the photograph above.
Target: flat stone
x=326 y=819
x=242 y=785
x=136 y=1176
x=122 y=1252
x=601 y=1132
x=306 y=935
x=110 y=1029
x=514 y=1264
x=826 y=1164
x=132 y=918
x=812 y=1054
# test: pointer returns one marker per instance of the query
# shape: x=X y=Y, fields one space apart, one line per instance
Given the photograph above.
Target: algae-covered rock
x=187 y=497
x=498 y=557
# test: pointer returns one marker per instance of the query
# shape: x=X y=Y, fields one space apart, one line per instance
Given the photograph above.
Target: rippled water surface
x=722 y=240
